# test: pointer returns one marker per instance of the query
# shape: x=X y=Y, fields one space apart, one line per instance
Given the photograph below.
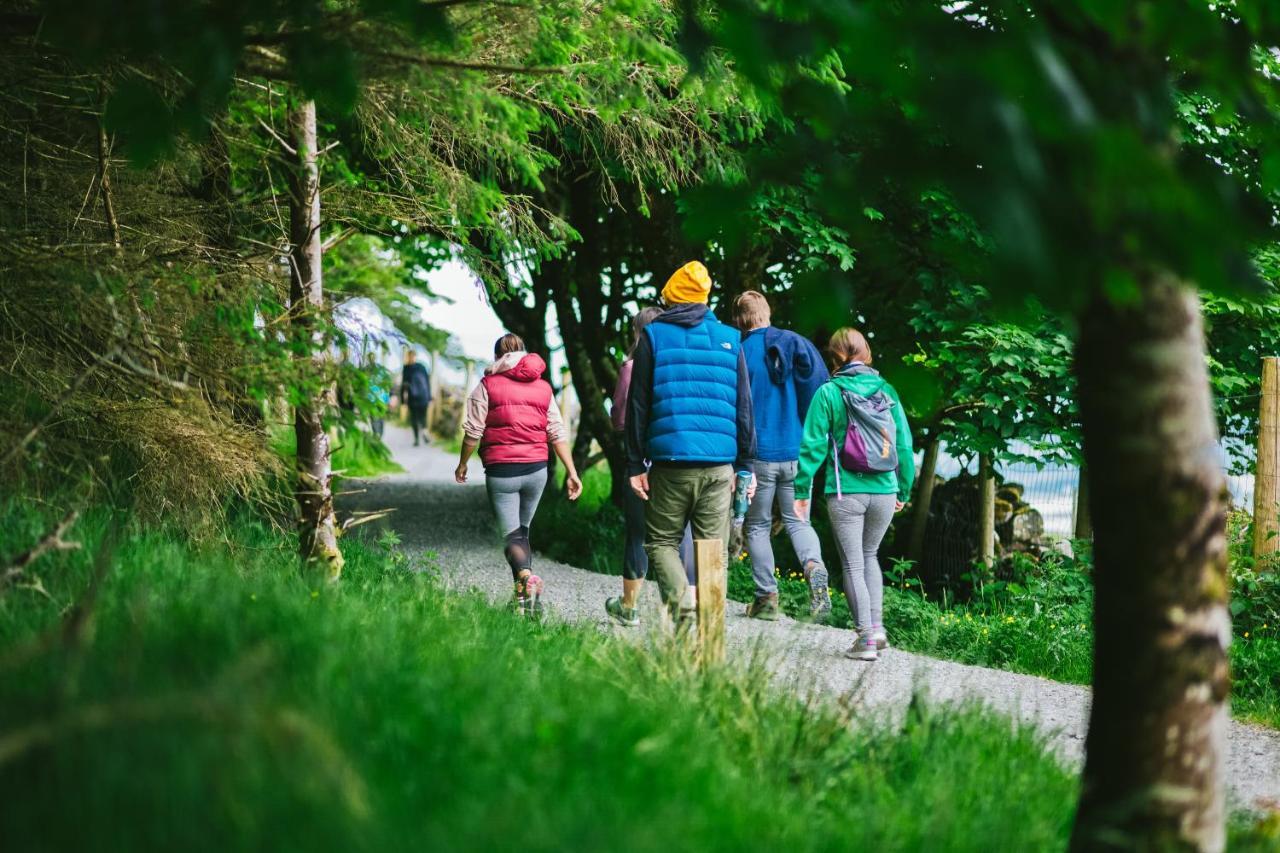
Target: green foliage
x=356 y=452
x=388 y=715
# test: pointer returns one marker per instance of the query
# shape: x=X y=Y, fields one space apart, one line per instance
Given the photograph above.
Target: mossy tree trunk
x=318 y=529
x=1157 y=732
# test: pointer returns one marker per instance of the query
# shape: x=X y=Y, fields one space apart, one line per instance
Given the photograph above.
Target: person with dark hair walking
x=415 y=392
x=689 y=416
x=857 y=423
x=511 y=416
x=635 y=563
x=786 y=371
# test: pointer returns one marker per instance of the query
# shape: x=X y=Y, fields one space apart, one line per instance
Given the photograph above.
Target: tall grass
x=219 y=703
x=1040 y=624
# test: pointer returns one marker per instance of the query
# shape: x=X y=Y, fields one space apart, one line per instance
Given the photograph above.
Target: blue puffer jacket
x=695 y=392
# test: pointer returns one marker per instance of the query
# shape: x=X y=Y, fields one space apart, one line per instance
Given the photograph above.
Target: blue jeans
x=777 y=479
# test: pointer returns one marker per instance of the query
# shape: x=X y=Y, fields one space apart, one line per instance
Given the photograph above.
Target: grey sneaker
x=819 y=595
x=765 y=607
x=863 y=648
x=628 y=617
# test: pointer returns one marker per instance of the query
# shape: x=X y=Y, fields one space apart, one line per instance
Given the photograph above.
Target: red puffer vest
x=516 y=427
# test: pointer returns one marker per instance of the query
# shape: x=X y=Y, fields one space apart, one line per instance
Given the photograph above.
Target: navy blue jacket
x=690 y=399
x=415 y=385
x=786 y=371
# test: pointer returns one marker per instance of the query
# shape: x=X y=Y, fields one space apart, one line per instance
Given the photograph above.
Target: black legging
x=635 y=562
x=417 y=420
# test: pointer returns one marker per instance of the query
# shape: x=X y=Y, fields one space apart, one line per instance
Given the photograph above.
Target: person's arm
x=906 y=453
x=815 y=445
x=618 y=411
x=571 y=481
x=639 y=399
x=426 y=382
x=468 y=447
x=746 y=418
x=404 y=385
x=473 y=420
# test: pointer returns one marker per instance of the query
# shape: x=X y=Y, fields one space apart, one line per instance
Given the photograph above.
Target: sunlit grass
x=234 y=707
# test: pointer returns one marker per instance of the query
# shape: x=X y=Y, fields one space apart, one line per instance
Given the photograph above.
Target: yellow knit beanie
x=690 y=283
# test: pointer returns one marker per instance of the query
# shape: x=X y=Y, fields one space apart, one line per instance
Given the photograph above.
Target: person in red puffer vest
x=512 y=417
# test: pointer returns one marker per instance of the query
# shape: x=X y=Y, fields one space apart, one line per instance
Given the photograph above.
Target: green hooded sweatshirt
x=827 y=422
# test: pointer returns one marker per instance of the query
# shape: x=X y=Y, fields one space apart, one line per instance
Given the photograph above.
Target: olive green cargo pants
x=702 y=497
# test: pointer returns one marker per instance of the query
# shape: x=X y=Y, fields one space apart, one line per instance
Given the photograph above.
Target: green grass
x=356 y=453
x=220 y=703
x=1039 y=625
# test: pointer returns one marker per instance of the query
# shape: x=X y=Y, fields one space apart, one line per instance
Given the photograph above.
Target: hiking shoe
x=628 y=617
x=765 y=607
x=819 y=595
x=879 y=637
x=533 y=596
x=863 y=648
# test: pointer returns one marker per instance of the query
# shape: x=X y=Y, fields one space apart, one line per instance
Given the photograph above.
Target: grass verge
x=220 y=703
x=1040 y=625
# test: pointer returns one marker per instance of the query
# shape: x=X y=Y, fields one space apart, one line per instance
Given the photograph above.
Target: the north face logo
x=727 y=345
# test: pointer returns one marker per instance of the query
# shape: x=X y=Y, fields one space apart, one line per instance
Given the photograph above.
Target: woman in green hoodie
x=860 y=505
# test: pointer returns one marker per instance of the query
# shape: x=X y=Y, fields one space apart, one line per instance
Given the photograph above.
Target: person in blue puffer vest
x=689 y=428
x=786 y=372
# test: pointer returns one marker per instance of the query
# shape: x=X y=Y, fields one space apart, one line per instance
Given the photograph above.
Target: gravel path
x=435 y=515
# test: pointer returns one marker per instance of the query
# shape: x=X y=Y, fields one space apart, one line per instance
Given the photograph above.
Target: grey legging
x=514 y=501
x=859 y=522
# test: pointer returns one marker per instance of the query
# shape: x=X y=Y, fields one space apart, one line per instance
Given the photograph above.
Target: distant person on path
x=635 y=563
x=872 y=469
x=786 y=372
x=512 y=416
x=379 y=396
x=415 y=392
x=689 y=414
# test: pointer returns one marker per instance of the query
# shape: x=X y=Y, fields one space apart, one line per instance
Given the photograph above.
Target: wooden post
x=1266 y=480
x=1083 y=525
x=986 y=510
x=433 y=408
x=924 y=498
x=713 y=586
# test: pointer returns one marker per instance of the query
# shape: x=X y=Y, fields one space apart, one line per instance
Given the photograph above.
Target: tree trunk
x=318 y=529
x=1153 y=774
x=986 y=511
x=924 y=498
x=1083 y=526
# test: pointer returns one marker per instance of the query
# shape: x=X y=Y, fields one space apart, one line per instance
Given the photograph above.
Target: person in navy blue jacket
x=689 y=428
x=786 y=372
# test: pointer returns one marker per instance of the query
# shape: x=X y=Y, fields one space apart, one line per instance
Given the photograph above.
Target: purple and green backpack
x=871 y=438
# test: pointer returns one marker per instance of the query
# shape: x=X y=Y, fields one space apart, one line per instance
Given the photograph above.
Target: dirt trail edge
x=434 y=514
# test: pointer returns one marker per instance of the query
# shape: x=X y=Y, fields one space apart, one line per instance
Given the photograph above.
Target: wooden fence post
x=433 y=408
x=713 y=586
x=1266 y=480
x=986 y=510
